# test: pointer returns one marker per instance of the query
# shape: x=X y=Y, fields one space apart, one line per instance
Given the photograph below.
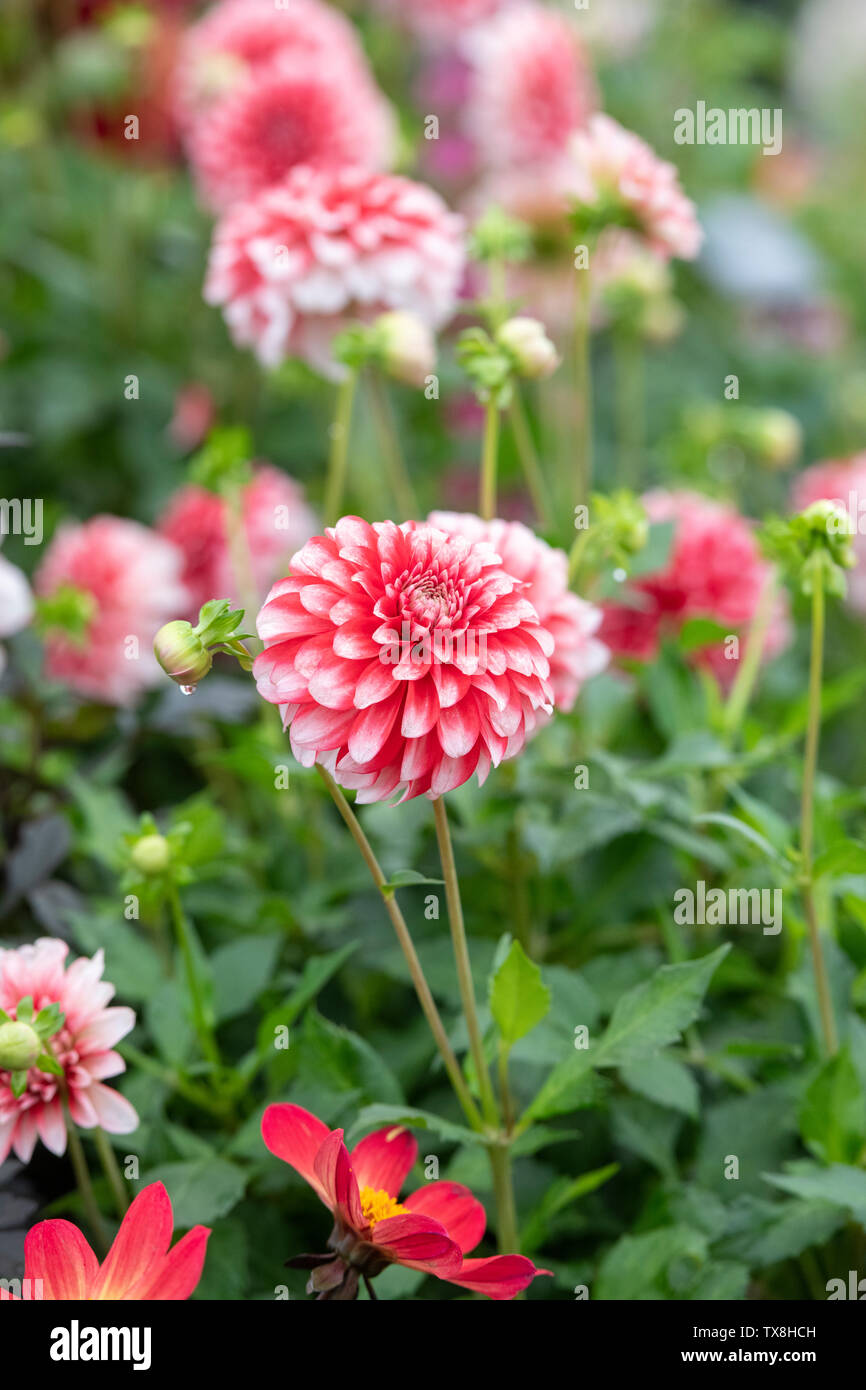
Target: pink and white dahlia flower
x=404 y=659
x=613 y=166
x=531 y=89
x=842 y=481
x=124 y=582
x=572 y=622
x=237 y=39
x=276 y=522
x=83 y=1047
x=714 y=570
x=292 y=112
x=327 y=247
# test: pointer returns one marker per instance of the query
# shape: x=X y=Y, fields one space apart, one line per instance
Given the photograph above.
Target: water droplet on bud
x=188 y=689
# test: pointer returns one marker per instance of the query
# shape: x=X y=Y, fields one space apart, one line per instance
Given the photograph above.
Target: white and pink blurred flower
x=404 y=660
x=276 y=522
x=83 y=1048
x=327 y=247
x=572 y=622
x=531 y=87
x=616 y=169
x=714 y=570
x=16 y=602
x=292 y=112
x=124 y=582
x=440 y=21
x=842 y=481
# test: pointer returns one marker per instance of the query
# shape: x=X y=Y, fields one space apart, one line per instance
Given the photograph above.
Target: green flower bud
x=526 y=342
x=151 y=855
x=182 y=654
x=405 y=346
x=20 y=1046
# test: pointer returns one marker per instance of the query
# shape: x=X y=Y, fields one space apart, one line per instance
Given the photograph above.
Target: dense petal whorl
x=325 y=247
x=404 y=659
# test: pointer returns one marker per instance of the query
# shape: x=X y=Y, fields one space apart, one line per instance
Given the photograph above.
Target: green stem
x=112 y=1171
x=395 y=464
x=503 y=1193
x=630 y=403
x=575 y=555
x=202 y=1025
x=529 y=460
x=461 y=957
x=419 y=980
x=489 y=455
x=807 y=820
x=583 y=389
x=747 y=671
x=339 y=452
x=196 y=1095
x=82 y=1179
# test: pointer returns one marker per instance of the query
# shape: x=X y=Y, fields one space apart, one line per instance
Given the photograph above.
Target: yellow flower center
x=377 y=1205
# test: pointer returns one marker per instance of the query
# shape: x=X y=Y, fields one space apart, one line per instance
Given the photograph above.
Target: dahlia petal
x=384 y=1159
x=451 y=684
x=418 y=1242
x=113 y=1111
x=104 y=1031
x=334 y=683
x=375 y=684
x=455 y=1208
x=421 y=709
x=499 y=1277
x=453 y=772
x=333 y=1168
x=139 y=1245
x=179 y=1272
x=322 y=728
x=56 y=1253
x=371 y=728
x=295 y=1135
x=459 y=728
x=51 y=1126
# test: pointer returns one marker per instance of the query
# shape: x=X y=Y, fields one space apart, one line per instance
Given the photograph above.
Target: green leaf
x=240 y=971
x=519 y=999
x=741 y=828
x=663 y=1079
x=407 y=878
x=833 y=1114
x=655 y=1013
x=640 y=1267
x=839 y=1184
x=843 y=857
x=202 y=1191
x=696 y=633
x=381 y=1116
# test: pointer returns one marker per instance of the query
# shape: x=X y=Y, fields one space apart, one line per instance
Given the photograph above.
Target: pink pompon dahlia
x=532 y=87
x=572 y=622
x=326 y=247
x=60 y=1265
x=237 y=39
x=112 y=584
x=291 y=112
x=614 y=168
x=276 y=522
x=83 y=1047
x=404 y=659
x=431 y=1230
x=842 y=481
x=714 y=570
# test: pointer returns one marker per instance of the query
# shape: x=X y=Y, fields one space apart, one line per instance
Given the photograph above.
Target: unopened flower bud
x=181 y=653
x=778 y=437
x=151 y=855
x=407 y=348
x=526 y=342
x=20 y=1046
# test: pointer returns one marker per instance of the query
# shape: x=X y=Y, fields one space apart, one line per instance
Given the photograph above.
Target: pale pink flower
x=614 y=165
x=16 y=602
x=572 y=622
x=327 y=247
x=126 y=582
x=276 y=522
x=842 y=481
x=532 y=87
x=83 y=1047
x=292 y=112
x=403 y=659
x=237 y=39
x=440 y=21
x=714 y=570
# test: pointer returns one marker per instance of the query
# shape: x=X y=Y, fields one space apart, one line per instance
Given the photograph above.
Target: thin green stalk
x=529 y=460
x=419 y=980
x=339 y=452
x=202 y=1026
x=630 y=403
x=82 y=1179
x=807 y=820
x=461 y=957
x=583 y=390
x=400 y=483
x=503 y=1195
x=747 y=671
x=575 y=555
x=489 y=458
x=196 y=1095
x=110 y=1166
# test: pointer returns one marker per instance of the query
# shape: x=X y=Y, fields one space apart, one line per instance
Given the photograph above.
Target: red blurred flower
x=289 y=113
x=572 y=622
x=326 y=247
x=276 y=522
x=842 y=481
x=83 y=1047
x=60 y=1265
x=124 y=582
x=403 y=659
x=432 y=1230
x=714 y=570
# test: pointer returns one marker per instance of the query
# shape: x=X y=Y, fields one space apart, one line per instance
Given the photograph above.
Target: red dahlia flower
x=403 y=659
x=431 y=1230
x=60 y=1265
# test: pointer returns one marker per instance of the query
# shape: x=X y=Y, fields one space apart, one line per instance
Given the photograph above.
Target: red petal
x=140 y=1244
x=500 y=1277
x=384 y=1159
x=295 y=1136
x=57 y=1253
x=421 y=709
x=459 y=728
x=179 y=1272
x=334 y=1171
x=418 y=1242
x=371 y=728
x=455 y=1208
